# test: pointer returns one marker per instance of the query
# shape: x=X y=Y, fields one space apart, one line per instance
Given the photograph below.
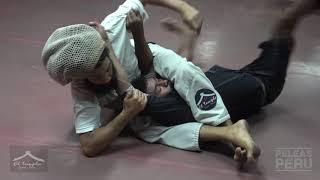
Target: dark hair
x=140 y=84
x=105 y=53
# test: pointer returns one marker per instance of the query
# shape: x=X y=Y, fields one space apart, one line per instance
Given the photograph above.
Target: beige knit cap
x=72 y=52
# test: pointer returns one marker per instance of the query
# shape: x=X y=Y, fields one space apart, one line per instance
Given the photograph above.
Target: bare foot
x=243 y=139
x=306 y=6
x=316 y=5
x=240 y=155
x=188 y=36
x=192 y=18
x=292 y=15
x=174 y=26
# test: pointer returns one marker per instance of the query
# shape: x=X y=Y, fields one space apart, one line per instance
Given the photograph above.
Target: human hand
x=134 y=102
x=134 y=21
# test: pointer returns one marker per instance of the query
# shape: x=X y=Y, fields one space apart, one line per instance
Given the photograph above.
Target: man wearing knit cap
x=99 y=62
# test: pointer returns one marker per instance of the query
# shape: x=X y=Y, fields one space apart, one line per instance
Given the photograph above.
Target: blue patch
x=205 y=99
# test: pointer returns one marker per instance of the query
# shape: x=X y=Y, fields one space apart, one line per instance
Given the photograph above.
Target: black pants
x=243 y=91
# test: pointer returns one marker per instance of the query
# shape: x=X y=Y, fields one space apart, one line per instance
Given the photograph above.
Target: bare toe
x=237 y=154
x=240 y=155
x=245 y=141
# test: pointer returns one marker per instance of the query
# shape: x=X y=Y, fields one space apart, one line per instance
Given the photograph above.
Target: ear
x=93 y=23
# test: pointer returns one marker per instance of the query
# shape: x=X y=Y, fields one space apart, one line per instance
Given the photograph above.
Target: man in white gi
x=244 y=91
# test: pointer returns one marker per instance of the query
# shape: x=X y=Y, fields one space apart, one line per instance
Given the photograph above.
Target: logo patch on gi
x=205 y=99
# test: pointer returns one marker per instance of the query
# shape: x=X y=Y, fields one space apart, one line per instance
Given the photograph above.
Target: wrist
x=138 y=34
x=128 y=114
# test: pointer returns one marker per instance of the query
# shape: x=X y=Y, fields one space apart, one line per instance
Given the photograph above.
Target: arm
x=115 y=25
x=92 y=143
x=134 y=22
x=142 y=50
x=120 y=75
x=93 y=138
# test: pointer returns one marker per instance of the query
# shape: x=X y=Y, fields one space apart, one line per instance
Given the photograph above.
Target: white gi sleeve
x=86 y=115
x=184 y=136
x=115 y=25
x=192 y=85
x=87 y=111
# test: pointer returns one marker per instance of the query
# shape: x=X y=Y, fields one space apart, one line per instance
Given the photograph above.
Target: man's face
x=158 y=87
x=103 y=73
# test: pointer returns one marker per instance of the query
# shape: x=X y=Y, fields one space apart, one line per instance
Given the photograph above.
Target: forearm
x=143 y=52
x=102 y=137
x=121 y=77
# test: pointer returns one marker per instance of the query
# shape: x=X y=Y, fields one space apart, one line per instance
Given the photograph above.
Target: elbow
x=92 y=145
x=91 y=151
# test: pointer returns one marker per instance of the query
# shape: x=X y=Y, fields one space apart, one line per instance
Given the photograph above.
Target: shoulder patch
x=205 y=99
